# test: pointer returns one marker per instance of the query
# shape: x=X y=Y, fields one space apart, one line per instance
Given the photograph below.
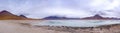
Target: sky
x=67 y=8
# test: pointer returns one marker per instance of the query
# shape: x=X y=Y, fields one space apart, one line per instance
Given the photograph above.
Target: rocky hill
x=5 y=15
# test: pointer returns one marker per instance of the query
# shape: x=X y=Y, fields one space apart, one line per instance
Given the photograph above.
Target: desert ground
x=14 y=26
x=24 y=26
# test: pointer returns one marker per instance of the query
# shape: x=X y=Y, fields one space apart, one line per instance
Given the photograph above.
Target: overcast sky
x=68 y=8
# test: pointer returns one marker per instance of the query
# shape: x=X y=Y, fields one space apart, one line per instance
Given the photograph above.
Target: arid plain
x=25 y=26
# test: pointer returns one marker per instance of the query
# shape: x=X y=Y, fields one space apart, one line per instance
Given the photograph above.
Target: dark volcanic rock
x=23 y=16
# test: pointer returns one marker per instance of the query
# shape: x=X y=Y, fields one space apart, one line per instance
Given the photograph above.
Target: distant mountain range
x=95 y=17
x=5 y=15
x=98 y=17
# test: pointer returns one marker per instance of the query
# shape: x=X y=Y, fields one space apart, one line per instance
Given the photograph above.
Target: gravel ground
x=14 y=26
x=23 y=26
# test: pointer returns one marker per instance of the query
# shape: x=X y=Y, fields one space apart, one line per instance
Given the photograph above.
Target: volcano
x=98 y=17
x=5 y=15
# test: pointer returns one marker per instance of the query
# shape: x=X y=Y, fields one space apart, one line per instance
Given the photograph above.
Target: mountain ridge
x=95 y=17
x=5 y=15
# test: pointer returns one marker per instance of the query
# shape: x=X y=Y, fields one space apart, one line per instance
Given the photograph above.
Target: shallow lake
x=77 y=23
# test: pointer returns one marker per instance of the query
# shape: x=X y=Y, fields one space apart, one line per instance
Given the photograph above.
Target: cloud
x=104 y=4
x=68 y=8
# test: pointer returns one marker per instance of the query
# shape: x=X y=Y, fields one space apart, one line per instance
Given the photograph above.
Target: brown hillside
x=5 y=15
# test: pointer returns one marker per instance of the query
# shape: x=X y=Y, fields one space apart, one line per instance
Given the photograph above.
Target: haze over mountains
x=68 y=8
x=95 y=17
x=5 y=15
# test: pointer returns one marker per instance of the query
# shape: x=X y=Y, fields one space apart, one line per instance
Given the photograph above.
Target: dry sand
x=23 y=26
x=8 y=26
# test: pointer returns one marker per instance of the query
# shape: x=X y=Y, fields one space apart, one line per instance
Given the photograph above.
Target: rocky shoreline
x=114 y=28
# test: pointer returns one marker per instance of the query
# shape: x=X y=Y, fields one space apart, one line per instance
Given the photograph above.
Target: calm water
x=77 y=23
